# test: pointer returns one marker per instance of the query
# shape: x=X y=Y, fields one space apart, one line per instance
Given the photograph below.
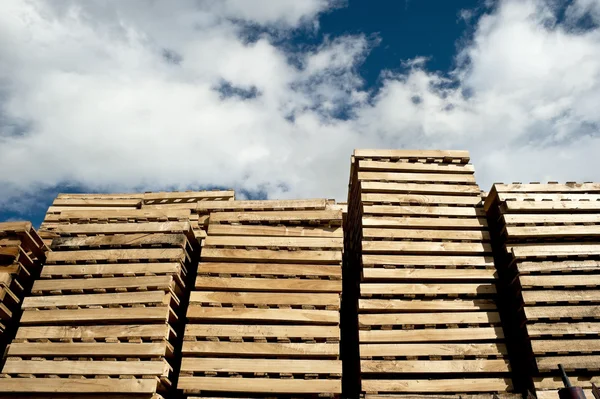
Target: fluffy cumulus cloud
x=150 y=95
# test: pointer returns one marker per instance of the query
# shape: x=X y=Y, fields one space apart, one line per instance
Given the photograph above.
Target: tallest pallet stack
x=427 y=311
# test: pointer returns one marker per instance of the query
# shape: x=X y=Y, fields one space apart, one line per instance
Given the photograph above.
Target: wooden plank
x=95 y=202
x=305 y=204
x=332 y=301
x=567 y=312
x=565 y=346
x=414 y=167
x=15 y=227
x=521 y=251
x=418 y=188
x=124 y=240
x=555 y=218
x=154 y=331
x=417 y=247
x=141 y=350
x=507 y=196
x=264 y=255
x=92 y=385
x=558 y=266
x=60 y=209
x=186 y=195
x=432 y=335
x=274 y=269
x=156 y=282
x=372 y=273
x=462 y=156
x=423 y=234
x=536 y=330
x=458 y=211
x=548 y=188
x=112 y=269
x=435 y=366
x=144 y=297
x=305 y=316
x=412 y=349
x=264 y=284
x=121 y=214
x=520 y=232
x=112 y=196
x=276 y=216
x=160 y=314
x=416 y=177
x=438 y=385
x=275 y=231
x=560 y=280
x=418 y=260
x=165 y=254
x=291 y=366
x=259 y=385
x=418 y=199
x=416 y=305
x=427 y=289
x=570 y=362
x=428 y=318
x=553 y=394
x=275 y=349
x=424 y=222
x=550 y=206
x=89 y=368
x=266 y=331
x=555 y=382
x=122 y=228
x=285 y=242
x=551 y=296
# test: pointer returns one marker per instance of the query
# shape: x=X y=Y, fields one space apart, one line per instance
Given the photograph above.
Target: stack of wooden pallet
x=548 y=254
x=104 y=315
x=264 y=317
x=428 y=316
x=177 y=204
x=22 y=253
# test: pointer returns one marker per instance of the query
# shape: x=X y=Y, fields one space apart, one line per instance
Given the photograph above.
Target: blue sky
x=270 y=98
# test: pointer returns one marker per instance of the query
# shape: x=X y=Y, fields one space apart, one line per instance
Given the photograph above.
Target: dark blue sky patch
x=171 y=56
x=227 y=90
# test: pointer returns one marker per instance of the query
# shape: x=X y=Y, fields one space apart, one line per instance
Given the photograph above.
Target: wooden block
x=550 y=206
x=430 y=335
x=274 y=269
x=91 y=368
x=269 y=285
x=508 y=196
x=249 y=349
x=427 y=289
x=194 y=196
x=259 y=385
x=275 y=231
x=292 y=366
x=423 y=234
x=415 y=305
x=98 y=202
x=415 y=167
x=372 y=273
x=418 y=260
x=442 y=386
x=237 y=315
x=332 y=301
x=427 y=349
x=253 y=330
x=435 y=366
x=429 y=318
x=416 y=247
x=264 y=255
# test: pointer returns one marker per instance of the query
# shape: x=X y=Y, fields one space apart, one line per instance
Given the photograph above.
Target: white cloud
x=125 y=95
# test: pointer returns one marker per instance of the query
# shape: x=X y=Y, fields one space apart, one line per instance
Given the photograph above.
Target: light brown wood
x=428 y=318
x=78 y=332
x=551 y=218
x=122 y=228
x=570 y=362
x=429 y=289
x=416 y=177
x=398 y=274
x=555 y=312
x=422 y=234
x=555 y=382
x=110 y=269
x=560 y=280
x=149 y=297
x=553 y=394
x=520 y=232
x=558 y=266
x=142 y=350
x=418 y=188
x=115 y=196
x=416 y=247
x=421 y=199
x=441 y=386
x=167 y=254
x=306 y=204
x=285 y=242
x=506 y=196
x=458 y=211
x=121 y=214
x=60 y=209
x=427 y=349
x=259 y=385
x=275 y=231
x=297 y=366
x=93 y=385
x=187 y=195
x=565 y=346
x=415 y=167
x=332 y=301
x=95 y=202
x=431 y=335
x=418 y=260
x=550 y=206
x=462 y=156
x=266 y=331
x=521 y=251
x=155 y=282
x=245 y=349
x=122 y=240
x=544 y=329
x=548 y=188
x=77 y=316
x=237 y=315
x=424 y=222
x=416 y=305
x=275 y=269
x=550 y=296
x=269 y=285
x=264 y=255
x=277 y=216
x=435 y=366
x=90 y=368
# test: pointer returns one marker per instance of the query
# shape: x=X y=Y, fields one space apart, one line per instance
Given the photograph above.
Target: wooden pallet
x=428 y=318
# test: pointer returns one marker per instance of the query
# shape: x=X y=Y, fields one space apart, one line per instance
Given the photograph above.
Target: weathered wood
x=122 y=228
x=570 y=362
x=416 y=305
x=429 y=318
x=427 y=289
x=435 y=366
x=548 y=188
x=567 y=312
x=521 y=251
x=332 y=301
x=295 y=366
x=90 y=368
x=424 y=222
x=159 y=314
x=186 y=195
x=142 y=350
x=555 y=382
x=560 y=280
x=416 y=177
x=92 y=385
x=259 y=385
x=266 y=331
x=293 y=205
x=125 y=240
x=416 y=247
x=550 y=206
x=461 y=156
x=431 y=335
x=558 y=266
x=304 y=316
x=565 y=346
x=415 y=167
x=398 y=274
x=275 y=269
x=285 y=242
x=418 y=260
x=422 y=234
x=418 y=188
x=154 y=282
x=442 y=386
x=427 y=349
x=165 y=254
x=149 y=297
x=421 y=199
x=241 y=349
x=550 y=296
x=522 y=232
x=276 y=231
x=508 y=196
x=458 y=211
x=121 y=214
x=536 y=330
x=111 y=269
x=277 y=216
x=555 y=218
x=264 y=255
x=270 y=285
x=100 y=332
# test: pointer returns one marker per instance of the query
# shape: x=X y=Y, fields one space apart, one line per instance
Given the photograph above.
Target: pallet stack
x=105 y=316
x=264 y=318
x=427 y=308
x=22 y=253
x=546 y=239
